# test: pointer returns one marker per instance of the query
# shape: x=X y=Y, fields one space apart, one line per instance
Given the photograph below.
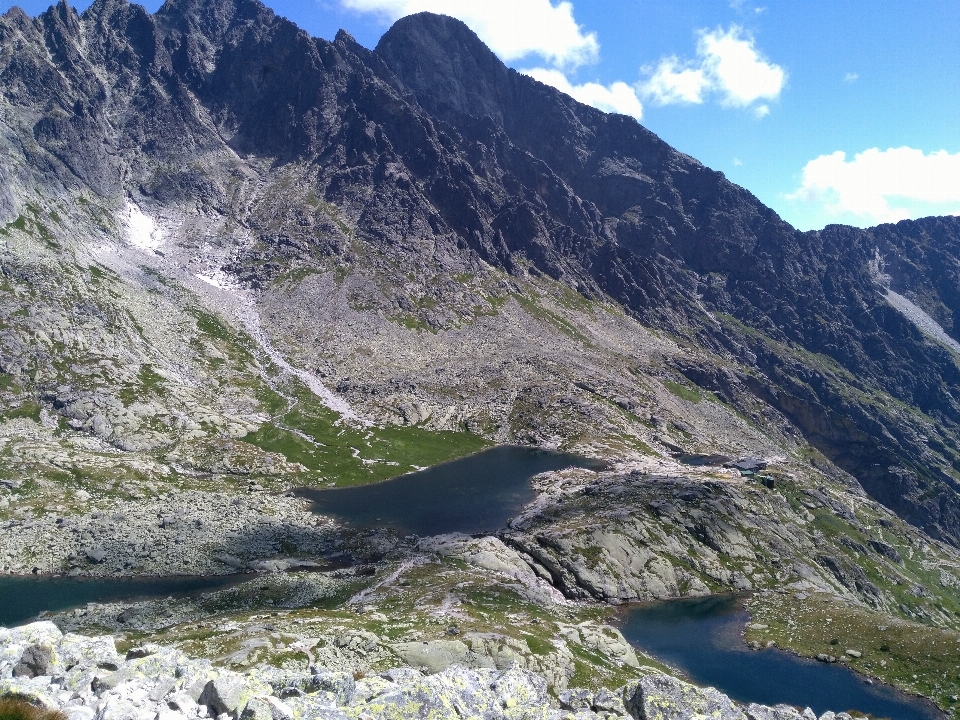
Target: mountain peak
x=215 y=17
x=446 y=65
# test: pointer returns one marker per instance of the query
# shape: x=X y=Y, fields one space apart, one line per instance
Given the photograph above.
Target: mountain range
x=232 y=254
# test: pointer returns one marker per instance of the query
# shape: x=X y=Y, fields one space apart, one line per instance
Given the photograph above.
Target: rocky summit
x=237 y=261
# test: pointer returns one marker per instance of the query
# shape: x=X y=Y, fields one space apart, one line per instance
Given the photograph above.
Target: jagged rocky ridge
x=428 y=159
x=87 y=678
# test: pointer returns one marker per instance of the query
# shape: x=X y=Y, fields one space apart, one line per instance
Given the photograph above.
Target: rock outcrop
x=87 y=678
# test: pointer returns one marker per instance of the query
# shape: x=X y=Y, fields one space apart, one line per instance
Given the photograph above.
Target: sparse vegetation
x=683 y=392
x=335 y=452
x=914 y=657
x=14 y=708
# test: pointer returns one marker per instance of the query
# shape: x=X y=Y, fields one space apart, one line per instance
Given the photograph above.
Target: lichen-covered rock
x=411 y=698
x=230 y=692
x=270 y=708
x=778 y=712
x=516 y=687
x=661 y=697
x=157 y=683
x=469 y=692
x=100 y=652
x=340 y=684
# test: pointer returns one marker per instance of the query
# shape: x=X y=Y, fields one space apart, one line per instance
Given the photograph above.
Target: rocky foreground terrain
x=87 y=678
x=236 y=260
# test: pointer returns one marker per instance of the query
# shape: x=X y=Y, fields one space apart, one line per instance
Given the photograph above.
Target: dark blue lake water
x=703 y=638
x=475 y=494
x=22 y=598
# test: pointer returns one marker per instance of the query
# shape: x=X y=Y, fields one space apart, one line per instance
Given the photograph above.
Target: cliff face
x=428 y=158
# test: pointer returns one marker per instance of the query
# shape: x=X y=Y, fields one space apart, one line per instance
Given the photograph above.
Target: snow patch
x=918 y=316
x=910 y=310
x=220 y=279
x=142 y=230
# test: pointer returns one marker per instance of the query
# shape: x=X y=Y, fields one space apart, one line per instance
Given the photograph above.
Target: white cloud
x=618 y=97
x=881 y=185
x=851 y=77
x=513 y=29
x=738 y=5
x=738 y=70
x=728 y=65
x=737 y=162
x=671 y=83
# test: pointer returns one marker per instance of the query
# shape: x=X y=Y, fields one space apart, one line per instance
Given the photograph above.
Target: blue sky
x=827 y=110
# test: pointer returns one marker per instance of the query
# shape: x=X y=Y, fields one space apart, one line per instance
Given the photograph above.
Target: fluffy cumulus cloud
x=672 y=82
x=728 y=66
x=513 y=29
x=883 y=185
x=618 y=97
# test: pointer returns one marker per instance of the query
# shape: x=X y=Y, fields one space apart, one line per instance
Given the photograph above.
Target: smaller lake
x=24 y=597
x=703 y=638
x=475 y=494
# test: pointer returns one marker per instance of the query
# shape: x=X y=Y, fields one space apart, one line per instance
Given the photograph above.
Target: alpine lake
x=480 y=493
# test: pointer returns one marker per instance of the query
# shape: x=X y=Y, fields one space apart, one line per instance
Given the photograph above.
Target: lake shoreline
x=692 y=666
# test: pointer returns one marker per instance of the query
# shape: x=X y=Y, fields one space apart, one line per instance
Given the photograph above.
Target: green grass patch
x=412 y=322
x=149 y=382
x=539 y=646
x=309 y=434
x=683 y=392
x=28 y=410
x=294 y=276
x=914 y=657
x=573 y=300
x=213 y=326
x=534 y=309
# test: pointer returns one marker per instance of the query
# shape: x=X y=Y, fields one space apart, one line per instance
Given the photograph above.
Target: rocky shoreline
x=88 y=679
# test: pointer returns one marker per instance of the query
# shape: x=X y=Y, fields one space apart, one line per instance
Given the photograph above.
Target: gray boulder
x=229 y=693
x=340 y=684
x=778 y=712
x=605 y=701
x=34 y=662
x=435 y=655
x=661 y=697
x=516 y=687
x=576 y=699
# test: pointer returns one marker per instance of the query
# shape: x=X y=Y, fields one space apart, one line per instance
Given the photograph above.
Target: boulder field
x=86 y=678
